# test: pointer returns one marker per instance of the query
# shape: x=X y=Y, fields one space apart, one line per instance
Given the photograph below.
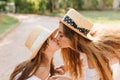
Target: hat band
x=73 y=24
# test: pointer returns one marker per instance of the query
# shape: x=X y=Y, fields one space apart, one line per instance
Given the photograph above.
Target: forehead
x=54 y=33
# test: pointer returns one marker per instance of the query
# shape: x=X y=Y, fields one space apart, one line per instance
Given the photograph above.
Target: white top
x=33 y=77
x=89 y=74
x=83 y=57
x=36 y=78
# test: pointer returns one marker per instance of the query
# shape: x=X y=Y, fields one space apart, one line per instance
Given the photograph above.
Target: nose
x=58 y=37
x=55 y=39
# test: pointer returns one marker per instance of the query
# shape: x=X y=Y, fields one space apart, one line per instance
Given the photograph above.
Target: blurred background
x=95 y=10
x=18 y=17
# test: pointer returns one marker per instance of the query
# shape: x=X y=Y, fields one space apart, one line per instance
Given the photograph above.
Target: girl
x=75 y=40
x=40 y=66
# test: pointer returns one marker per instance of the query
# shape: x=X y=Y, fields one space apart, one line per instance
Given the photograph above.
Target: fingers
x=60 y=77
x=52 y=78
x=60 y=70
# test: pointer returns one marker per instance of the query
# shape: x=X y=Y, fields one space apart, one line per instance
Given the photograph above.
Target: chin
x=63 y=47
x=60 y=46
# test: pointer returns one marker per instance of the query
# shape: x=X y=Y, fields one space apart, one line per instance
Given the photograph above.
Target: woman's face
x=62 y=40
x=52 y=43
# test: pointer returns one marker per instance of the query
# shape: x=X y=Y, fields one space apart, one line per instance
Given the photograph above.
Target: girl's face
x=52 y=43
x=63 y=41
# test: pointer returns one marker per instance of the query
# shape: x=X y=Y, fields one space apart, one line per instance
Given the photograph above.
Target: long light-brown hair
x=29 y=67
x=95 y=50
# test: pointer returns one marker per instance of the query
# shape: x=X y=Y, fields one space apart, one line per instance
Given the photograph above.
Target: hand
x=59 y=77
x=60 y=70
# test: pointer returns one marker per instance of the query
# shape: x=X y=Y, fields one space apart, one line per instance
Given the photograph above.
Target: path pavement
x=12 y=49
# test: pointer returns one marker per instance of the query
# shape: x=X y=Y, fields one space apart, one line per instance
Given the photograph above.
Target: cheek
x=65 y=42
x=62 y=41
x=54 y=44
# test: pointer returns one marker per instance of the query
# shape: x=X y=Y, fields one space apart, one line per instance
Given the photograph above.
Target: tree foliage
x=40 y=6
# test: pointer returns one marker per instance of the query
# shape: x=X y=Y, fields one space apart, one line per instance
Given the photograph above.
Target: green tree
x=2 y=5
x=34 y=4
x=43 y=6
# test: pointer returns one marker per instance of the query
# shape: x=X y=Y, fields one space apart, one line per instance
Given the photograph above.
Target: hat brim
x=71 y=27
x=34 y=53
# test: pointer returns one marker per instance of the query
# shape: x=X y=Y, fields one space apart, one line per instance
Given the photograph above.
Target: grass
x=102 y=16
x=113 y=17
x=95 y=16
x=6 y=22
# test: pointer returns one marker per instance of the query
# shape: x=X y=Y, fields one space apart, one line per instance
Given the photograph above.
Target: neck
x=74 y=49
x=48 y=57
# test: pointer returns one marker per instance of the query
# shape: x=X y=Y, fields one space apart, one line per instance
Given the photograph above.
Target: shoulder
x=33 y=78
x=83 y=56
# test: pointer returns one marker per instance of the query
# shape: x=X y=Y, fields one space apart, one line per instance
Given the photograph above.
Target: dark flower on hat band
x=73 y=24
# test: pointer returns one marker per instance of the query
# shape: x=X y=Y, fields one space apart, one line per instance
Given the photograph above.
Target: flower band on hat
x=78 y=23
x=72 y=23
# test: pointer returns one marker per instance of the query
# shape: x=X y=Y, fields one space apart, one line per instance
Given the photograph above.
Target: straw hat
x=77 y=22
x=36 y=39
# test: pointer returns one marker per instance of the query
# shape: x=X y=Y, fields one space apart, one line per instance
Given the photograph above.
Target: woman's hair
x=71 y=58
x=29 y=67
x=97 y=52
x=107 y=35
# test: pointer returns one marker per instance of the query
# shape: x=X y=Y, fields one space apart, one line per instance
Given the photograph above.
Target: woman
x=40 y=66
x=74 y=39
